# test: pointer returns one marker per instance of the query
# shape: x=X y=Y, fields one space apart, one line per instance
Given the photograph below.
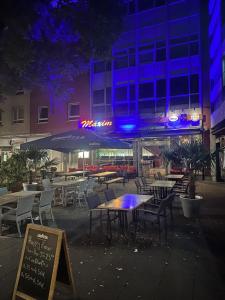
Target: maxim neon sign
x=92 y=123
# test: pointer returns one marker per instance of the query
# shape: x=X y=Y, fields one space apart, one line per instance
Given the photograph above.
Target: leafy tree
x=47 y=43
x=193 y=156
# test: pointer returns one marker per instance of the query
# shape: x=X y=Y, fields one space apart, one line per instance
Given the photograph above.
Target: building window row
x=73 y=112
x=18 y=114
x=141 y=5
x=102 y=102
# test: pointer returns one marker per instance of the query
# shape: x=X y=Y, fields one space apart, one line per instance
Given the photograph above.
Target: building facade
x=155 y=86
x=217 y=83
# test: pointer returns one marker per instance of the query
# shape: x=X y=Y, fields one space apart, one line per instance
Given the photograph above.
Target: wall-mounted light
x=195 y=117
x=173 y=117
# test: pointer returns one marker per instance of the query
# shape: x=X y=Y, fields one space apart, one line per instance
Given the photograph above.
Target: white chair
x=81 y=193
x=45 y=204
x=22 y=212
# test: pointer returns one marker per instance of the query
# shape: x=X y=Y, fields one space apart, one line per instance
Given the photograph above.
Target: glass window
x=178 y=101
x=146 y=57
x=108 y=65
x=146 y=106
x=18 y=114
x=132 y=60
x=194 y=84
x=108 y=95
x=161 y=105
x=161 y=88
x=73 y=111
x=146 y=90
x=161 y=54
x=99 y=67
x=98 y=97
x=121 y=62
x=179 y=85
x=179 y=51
x=132 y=92
x=121 y=93
x=132 y=108
x=98 y=109
x=194 y=99
x=194 y=49
x=43 y=114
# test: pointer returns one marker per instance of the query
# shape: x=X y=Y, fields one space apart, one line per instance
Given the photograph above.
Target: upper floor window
x=146 y=90
x=18 y=114
x=98 y=96
x=102 y=66
x=121 y=93
x=184 y=46
x=73 y=111
x=43 y=114
x=125 y=58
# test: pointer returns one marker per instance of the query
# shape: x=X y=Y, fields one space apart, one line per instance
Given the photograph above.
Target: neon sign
x=92 y=123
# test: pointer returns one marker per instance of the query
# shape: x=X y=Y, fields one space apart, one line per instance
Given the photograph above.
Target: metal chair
x=23 y=211
x=109 y=194
x=156 y=213
x=45 y=204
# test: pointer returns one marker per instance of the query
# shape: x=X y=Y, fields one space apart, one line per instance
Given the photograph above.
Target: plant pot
x=191 y=207
x=30 y=186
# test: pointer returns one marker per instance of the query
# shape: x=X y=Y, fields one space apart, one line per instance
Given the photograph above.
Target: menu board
x=44 y=257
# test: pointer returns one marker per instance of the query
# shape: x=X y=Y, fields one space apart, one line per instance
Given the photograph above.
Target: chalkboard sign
x=44 y=260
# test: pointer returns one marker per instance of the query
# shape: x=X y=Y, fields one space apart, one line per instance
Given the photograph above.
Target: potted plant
x=193 y=157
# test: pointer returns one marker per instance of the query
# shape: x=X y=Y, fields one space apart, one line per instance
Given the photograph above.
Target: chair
x=141 y=189
x=93 y=201
x=45 y=204
x=109 y=194
x=156 y=213
x=22 y=212
x=81 y=193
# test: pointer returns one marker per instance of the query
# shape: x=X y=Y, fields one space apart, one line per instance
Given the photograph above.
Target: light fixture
x=173 y=117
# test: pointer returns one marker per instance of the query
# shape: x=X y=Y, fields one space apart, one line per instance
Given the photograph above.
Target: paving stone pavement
x=189 y=267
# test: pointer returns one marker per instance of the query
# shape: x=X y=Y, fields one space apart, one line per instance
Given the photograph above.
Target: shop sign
x=94 y=123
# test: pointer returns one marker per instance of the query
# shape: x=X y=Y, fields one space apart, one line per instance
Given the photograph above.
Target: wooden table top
x=174 y=176
x=127 y=202
x=102 y=174
x=163 y=183
x=75 y=173
x=13 y=197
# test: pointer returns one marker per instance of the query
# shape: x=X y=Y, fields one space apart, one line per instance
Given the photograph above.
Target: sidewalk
x=189 y=268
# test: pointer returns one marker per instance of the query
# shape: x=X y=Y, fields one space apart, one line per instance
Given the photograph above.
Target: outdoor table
x=124 y=204
x=164 y=186
x=75 y=173
x=174 y=176
x=102 y=175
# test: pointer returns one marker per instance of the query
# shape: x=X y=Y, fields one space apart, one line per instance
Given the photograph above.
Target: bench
x=114 y=180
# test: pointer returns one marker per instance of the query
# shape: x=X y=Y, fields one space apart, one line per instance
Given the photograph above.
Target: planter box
x=191 y=207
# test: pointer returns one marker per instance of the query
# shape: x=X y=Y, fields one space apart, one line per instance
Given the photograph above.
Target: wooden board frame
x=61 y=242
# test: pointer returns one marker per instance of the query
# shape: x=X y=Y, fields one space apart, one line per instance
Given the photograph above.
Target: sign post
x=44 y=261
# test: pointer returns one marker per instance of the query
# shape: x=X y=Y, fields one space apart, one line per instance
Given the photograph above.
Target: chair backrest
x=137 y=183
x=24 y=205
x=93 y=200
x=166 y=203
x=109 y=194
x=46 y=198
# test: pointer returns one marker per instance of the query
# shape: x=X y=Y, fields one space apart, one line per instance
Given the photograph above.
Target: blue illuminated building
x=217 y=82
x=156 y=70
x=155 y=86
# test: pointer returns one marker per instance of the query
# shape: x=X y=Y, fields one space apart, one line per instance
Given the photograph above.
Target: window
x=161 y=88
x=179 y=85
x=121 y=110
x=121 y=62
x=194 y=84
x=102 y=66
x=179 y=51
x=146 y=90
x=180 y=101
x=146 y=54
x=184 y=46
x=161 y=105
x=146 y=107
x=98 y=97
x=18 y=114
x=73 y=111
x=132 y=92
x=98 y=110
x=121 y=93
x=108 y=95
x=43 y=114
x=125 y=58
